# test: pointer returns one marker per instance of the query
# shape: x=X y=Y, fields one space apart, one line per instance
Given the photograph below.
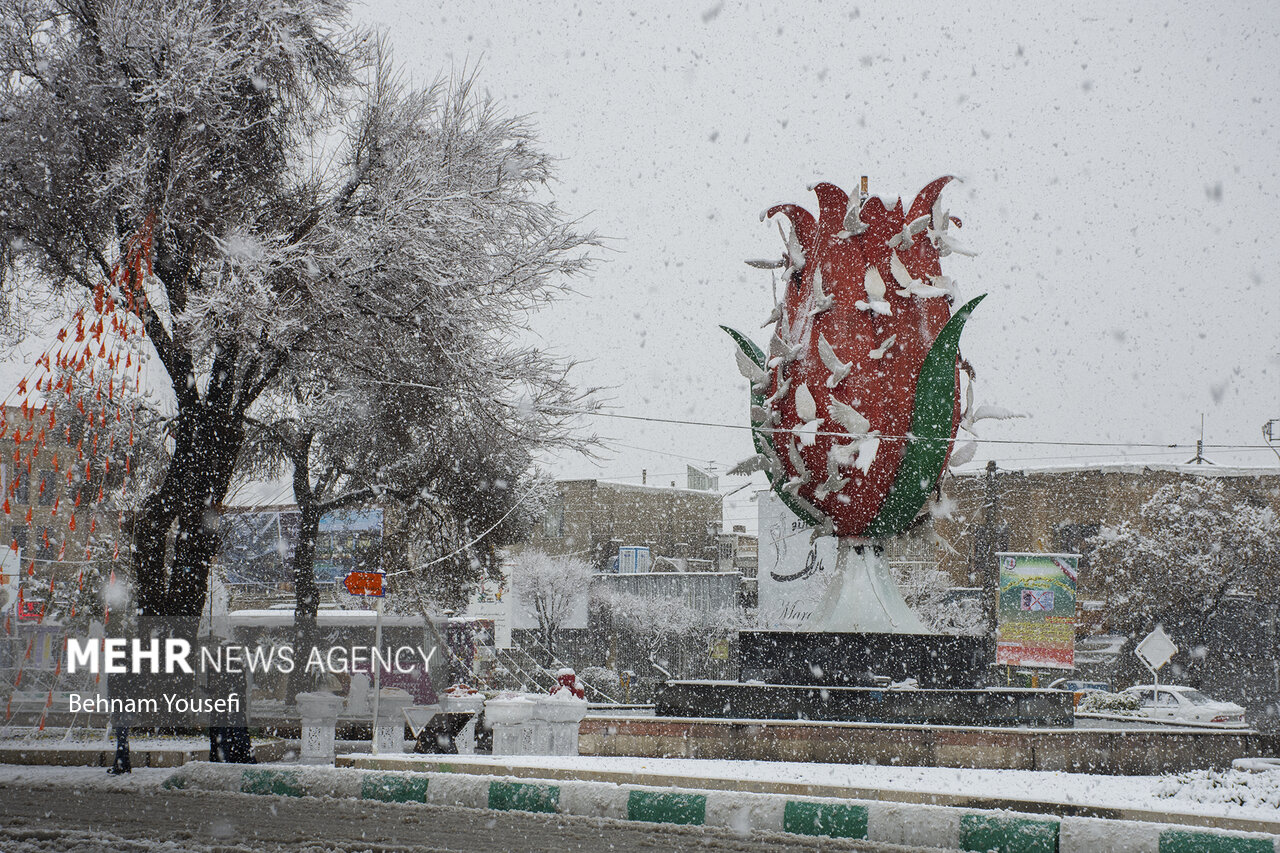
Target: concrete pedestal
x=319 y=713
x=513 y=725
x=388 y=729
x=560 y=718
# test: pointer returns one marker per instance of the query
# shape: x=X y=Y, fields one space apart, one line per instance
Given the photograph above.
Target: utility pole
x=1271 y=433
x=1199 y=457
x=984 y=551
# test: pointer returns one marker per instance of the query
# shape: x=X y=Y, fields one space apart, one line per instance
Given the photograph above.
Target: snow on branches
x=554 y=587
x=382 y=287
x=1192 y=542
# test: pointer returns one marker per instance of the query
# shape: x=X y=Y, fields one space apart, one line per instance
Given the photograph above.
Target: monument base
x=952 y=707
x=846 y=676
x=853 y=659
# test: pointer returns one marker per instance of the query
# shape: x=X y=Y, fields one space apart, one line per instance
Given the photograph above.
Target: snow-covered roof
x=276 y=494
x=636 y=487
x=1130 y=468
x=283 y=618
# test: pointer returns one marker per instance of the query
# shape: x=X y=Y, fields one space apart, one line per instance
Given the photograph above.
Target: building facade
x=594 y=518
x=1057 y=510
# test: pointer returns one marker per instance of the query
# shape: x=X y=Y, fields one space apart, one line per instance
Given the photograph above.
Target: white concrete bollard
x=319 y=712
x=561 y=714
x=511 y=718
x=388 y=730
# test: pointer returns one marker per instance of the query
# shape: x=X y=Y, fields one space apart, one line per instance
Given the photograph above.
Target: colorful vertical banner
x=1037 y=610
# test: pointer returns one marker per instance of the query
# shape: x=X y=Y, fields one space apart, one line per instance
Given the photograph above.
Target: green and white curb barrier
x=897 y=823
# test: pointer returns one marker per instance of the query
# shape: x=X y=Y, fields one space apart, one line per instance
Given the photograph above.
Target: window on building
x=553 y=521
x=18 y=533
x=1072 y=539
x=22 y=488
x=48 y=487
x=46 y=546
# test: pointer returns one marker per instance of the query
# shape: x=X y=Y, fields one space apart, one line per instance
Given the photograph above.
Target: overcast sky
x=1120 y=183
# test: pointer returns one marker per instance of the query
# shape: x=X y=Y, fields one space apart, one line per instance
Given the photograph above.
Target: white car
x=1186 y=705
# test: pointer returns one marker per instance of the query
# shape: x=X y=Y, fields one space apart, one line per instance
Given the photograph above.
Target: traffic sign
x=364 y=583
x=1156 y=648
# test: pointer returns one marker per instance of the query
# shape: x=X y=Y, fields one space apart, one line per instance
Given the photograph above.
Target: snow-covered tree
x=1193 y=542
x=926 y=589
x=213 y=123
x=661 y=627
x=429 y=400
x=553 y=586
x=189 y=116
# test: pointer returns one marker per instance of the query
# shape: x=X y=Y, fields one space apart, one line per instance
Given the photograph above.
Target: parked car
x=1186 y=705
x=1078 y=686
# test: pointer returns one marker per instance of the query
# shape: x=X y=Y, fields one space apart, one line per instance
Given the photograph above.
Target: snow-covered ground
x=78 y=779
x=99 y=740
x=1233 y=794
x=1248 y=790
x=1236 y=794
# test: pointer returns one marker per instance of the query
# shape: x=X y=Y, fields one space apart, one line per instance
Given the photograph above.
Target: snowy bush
x=1238 y=787
x=925 y=588
x=600 y=677
x=1100 y=702
x=662 y=630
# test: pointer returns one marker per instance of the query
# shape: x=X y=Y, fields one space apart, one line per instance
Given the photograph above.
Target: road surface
x=44 y=819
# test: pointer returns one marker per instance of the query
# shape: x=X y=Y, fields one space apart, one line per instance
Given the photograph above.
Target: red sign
x=364 y=583
x=28 y=611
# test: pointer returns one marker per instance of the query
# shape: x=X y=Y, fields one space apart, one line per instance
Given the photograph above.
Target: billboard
x=257 y=547
x=348 y=542
x=491 y=602
x=1037 y=610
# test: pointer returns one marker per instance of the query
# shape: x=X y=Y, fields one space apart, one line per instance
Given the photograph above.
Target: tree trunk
x=306 y=593
x=207 y=441
x=548 y=629
x=549 y=639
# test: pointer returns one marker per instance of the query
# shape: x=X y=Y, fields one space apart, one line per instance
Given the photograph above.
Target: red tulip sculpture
x=855 y=405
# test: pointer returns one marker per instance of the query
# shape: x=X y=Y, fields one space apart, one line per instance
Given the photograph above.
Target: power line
x=975 y=439
x=698 y=459
x=467 y=545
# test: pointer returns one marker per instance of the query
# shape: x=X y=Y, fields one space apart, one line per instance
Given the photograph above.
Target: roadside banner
x=1037 y=610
